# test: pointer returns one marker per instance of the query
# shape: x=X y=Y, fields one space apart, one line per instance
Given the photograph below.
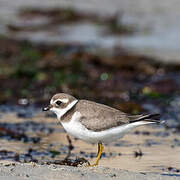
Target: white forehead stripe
x=51 y=102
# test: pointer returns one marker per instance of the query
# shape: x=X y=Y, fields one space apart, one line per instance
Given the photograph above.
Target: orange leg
x=100 y=150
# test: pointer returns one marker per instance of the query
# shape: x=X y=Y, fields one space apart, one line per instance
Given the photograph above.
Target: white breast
x=75 y=128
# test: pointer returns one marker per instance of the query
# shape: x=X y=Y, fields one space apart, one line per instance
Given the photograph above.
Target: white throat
x=61 y=112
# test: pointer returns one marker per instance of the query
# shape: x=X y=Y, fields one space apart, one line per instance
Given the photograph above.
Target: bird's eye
x=58 y=102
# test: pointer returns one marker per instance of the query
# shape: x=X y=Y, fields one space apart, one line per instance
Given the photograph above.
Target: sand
x=20 y=171
x=160 y=154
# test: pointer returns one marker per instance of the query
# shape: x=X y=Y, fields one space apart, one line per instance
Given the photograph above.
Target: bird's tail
x=149 y=118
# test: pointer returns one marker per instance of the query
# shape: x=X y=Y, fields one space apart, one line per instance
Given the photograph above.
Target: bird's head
x=61 y=103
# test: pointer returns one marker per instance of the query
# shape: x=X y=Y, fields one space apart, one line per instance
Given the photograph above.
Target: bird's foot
x=92 y=165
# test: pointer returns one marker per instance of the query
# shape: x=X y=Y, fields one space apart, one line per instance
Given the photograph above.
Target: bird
x=94 y=122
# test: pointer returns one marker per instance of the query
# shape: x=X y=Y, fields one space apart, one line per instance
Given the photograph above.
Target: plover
x=94 y=122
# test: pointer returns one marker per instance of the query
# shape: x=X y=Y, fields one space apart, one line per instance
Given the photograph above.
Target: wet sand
x=145 y=149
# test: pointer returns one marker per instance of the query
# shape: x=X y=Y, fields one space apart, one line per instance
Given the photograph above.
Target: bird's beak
x=47 y=108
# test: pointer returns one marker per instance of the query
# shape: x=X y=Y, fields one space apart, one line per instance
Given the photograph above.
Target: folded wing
x=98 y=117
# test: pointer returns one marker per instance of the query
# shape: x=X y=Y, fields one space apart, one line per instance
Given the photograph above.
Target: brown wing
x=99 y=117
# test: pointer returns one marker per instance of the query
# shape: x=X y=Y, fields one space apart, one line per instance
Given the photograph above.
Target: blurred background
x=125 y=54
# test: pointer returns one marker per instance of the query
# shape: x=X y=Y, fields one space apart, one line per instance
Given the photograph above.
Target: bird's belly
x=92 y=136
x=75 y=128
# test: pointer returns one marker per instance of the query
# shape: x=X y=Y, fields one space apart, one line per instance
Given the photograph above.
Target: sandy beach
x=148 y=152
x=17 y=171
x=122 y=54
